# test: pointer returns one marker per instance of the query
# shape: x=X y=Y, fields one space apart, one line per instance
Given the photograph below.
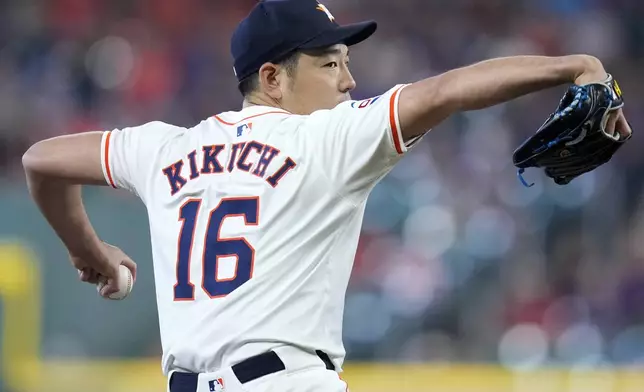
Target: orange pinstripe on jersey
x=345 y=383
x=392 y=121
x=107 y=159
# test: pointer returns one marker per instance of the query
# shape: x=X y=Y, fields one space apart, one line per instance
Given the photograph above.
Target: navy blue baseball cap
x=276 y=28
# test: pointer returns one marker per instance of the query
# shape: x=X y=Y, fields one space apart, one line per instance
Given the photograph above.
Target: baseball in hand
x=125 y=284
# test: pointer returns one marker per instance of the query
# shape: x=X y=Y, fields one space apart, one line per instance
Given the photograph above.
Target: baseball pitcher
x=255 y=214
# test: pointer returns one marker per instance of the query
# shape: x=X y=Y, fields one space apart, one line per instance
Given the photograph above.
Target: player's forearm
x=55 y=169
x=425 y=104
x=61 y=204
x=495 y=81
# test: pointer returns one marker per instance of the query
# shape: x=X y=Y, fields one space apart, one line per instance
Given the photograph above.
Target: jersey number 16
x=215 y=247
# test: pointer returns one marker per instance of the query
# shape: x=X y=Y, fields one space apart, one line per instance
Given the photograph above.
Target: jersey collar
x=261 y=109
x=232 y=118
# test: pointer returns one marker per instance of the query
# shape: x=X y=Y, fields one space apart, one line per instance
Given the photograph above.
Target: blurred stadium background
x=464 y=280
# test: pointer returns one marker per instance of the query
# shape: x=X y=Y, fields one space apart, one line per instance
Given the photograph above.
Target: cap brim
x=350 y=34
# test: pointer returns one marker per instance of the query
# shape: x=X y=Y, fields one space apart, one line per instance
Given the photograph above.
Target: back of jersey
x=254 y=220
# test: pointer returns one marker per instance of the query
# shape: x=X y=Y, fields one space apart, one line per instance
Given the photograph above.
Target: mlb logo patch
x=217 y=385
x=244 y=127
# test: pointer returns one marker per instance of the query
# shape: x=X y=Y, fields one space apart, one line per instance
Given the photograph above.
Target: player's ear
x=271 y=80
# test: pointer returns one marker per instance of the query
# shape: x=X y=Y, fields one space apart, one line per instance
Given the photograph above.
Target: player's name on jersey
x=251 y=157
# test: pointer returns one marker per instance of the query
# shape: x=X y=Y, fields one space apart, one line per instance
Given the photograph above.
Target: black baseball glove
x=573 y=140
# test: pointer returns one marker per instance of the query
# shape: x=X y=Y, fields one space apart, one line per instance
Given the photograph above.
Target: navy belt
x=248 y=370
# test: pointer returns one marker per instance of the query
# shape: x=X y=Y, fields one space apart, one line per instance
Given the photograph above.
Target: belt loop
x=325 y=358
x=169 y=380
x=258 y=366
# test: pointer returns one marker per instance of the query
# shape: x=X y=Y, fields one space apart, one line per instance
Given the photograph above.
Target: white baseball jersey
x=254 y=219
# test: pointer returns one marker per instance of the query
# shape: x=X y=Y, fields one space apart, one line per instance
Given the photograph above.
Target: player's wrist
x=93 y=254
x=588 y=69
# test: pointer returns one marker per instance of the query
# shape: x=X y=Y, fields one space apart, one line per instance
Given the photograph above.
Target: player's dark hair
x=251 y=83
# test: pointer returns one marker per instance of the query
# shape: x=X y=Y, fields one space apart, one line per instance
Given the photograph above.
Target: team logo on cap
x=322 y=8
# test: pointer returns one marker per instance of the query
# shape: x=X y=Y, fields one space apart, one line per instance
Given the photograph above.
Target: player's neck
x=261 y=101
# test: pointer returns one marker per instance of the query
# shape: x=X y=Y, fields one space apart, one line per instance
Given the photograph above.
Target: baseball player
x=255 y=214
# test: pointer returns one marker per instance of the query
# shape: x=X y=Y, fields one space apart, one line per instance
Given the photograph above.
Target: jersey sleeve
x=128 y=155
x=358 y=142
